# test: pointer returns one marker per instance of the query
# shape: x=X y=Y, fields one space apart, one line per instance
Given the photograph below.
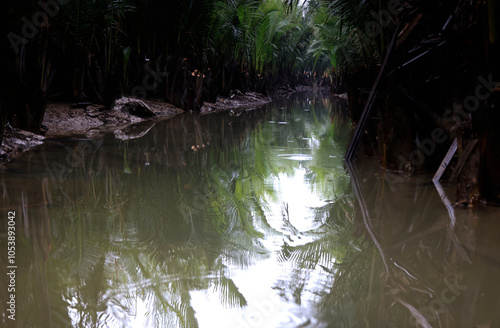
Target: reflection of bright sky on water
x=295 y=191
x=265 y=307
x=263 y=284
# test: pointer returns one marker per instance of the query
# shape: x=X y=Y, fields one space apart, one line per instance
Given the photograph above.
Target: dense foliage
x=185 y=52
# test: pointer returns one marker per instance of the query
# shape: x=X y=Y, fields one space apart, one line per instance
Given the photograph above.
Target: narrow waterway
x=241 y=220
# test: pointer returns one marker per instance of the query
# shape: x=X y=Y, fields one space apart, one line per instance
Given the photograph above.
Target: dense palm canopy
x=186 y=52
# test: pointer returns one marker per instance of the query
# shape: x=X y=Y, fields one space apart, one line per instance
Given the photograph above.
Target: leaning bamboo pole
x=371 y=99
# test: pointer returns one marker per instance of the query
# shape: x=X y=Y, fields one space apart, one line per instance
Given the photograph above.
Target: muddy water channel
x=240 y=220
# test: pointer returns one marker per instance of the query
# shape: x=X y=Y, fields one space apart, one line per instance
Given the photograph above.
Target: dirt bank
x=92 y=121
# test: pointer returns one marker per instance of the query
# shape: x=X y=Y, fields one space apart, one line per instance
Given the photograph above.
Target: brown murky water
x=240 y=221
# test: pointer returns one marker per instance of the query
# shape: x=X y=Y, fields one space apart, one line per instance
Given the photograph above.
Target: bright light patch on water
x=297 y=199
x=296 y=157
x=292 y=215
x=265 y=307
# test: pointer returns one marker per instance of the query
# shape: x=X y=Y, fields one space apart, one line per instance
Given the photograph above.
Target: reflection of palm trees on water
x=168 y=234
x=140 y=224
x=398 y=265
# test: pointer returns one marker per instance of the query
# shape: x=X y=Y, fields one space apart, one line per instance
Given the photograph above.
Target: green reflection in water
x=248 y=220
x=121 y=232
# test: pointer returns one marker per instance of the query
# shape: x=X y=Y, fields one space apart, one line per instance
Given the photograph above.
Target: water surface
x=242 y=220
